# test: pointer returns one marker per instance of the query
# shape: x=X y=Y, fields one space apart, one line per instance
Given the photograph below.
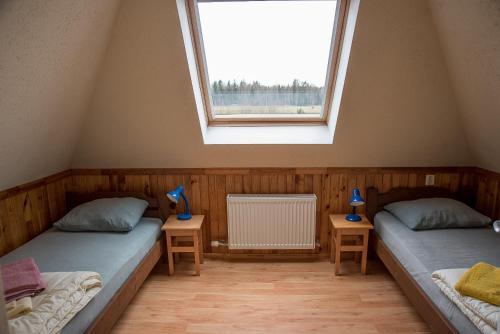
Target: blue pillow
x=105 y=215
x=434 y=213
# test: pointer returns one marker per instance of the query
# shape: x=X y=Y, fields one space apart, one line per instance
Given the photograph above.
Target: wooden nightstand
x=184 y=228
x=343 y=229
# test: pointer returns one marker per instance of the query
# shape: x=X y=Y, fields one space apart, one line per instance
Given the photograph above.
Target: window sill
x=302 y=134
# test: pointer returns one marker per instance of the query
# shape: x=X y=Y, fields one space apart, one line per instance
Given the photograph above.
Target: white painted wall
x=49 y=57
x=469 y=31
x=398 y=108
x=422 y=85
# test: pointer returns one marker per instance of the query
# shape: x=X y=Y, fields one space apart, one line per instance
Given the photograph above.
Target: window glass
x=267 y=58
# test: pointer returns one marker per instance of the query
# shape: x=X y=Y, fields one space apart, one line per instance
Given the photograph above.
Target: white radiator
x=271 y=221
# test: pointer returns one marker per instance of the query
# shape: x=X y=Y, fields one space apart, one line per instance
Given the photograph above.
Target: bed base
x=420 y=301
x=120 y=301
x=376 y=201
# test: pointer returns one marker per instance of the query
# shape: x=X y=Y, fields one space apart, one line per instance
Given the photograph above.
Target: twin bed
x=124 y=260
x=412 y=256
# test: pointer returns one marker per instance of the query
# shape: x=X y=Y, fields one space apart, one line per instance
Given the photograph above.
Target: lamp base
x=352 y=217
x=184 y=216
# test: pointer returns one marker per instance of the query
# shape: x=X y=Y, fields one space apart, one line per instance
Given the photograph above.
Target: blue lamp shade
x=356 y=200
x=175 y=195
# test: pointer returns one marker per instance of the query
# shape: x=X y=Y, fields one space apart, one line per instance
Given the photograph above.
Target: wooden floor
x=270 y=297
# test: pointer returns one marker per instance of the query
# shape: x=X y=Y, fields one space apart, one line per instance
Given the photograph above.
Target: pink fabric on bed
x=21 y=279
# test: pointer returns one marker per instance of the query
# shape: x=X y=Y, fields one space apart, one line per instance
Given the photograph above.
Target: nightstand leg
x=196 y=243
x=200 y=237
x=176 y=255
x=332 y=246
x=357 y=255
x=170 y=256
x=365 y=252
x=338 y=243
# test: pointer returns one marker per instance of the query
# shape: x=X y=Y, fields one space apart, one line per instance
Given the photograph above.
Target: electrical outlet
x=429 y=180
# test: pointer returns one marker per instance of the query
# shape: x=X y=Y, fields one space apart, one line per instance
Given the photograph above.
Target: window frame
x=250 y=120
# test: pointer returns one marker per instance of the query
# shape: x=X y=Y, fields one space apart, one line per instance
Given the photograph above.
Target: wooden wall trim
x=34 y=184
x=233 y=171
x=487 y=173
x=266 y=170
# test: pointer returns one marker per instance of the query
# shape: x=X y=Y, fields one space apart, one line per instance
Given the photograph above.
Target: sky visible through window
x=267 y=57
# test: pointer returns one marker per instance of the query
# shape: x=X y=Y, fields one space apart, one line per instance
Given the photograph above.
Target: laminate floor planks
x=270 y=297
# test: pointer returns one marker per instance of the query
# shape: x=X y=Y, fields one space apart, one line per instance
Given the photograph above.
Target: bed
x=412 y=256
x=124 y=260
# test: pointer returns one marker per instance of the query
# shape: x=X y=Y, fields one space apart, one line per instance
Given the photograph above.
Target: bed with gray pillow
x=112 y=239
x=432 y=234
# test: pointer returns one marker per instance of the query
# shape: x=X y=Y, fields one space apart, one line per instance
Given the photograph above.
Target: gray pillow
x=105 y=214
x=434 y=213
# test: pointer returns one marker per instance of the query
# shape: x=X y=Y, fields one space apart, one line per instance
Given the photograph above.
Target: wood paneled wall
x=30 y=209
x=207 y=188
x=488 y=192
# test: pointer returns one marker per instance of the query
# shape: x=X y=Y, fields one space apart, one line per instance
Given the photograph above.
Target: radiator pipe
x=219 y=243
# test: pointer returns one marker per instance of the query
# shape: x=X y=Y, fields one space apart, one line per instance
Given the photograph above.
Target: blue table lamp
x=174 y=196
x=356 y=200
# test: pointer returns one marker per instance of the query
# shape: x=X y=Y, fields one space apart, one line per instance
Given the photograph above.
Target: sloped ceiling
x=50 y=52
x=469 y=32
x=398 y=108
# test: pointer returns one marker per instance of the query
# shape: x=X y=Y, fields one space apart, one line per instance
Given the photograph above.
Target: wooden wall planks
x=28 y=210
x=207 y=188
x=488 y=189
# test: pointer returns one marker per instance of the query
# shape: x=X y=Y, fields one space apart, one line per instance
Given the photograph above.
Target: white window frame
x=249 y=120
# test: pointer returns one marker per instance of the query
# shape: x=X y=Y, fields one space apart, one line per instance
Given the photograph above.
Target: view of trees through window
x=231 y=98
x=267 y=57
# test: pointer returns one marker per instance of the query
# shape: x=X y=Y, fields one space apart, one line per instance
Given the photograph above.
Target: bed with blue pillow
x=421 y=230
x=106 y=233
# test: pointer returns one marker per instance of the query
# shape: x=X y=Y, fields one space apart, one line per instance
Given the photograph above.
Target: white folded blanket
x=484 y=315
x=65 y=295
x=17 y=308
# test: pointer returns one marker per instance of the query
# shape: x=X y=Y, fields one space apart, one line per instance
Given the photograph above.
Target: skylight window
x=266 y=61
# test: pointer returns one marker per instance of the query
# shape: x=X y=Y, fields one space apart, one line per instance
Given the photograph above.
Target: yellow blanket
x=482 y=282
